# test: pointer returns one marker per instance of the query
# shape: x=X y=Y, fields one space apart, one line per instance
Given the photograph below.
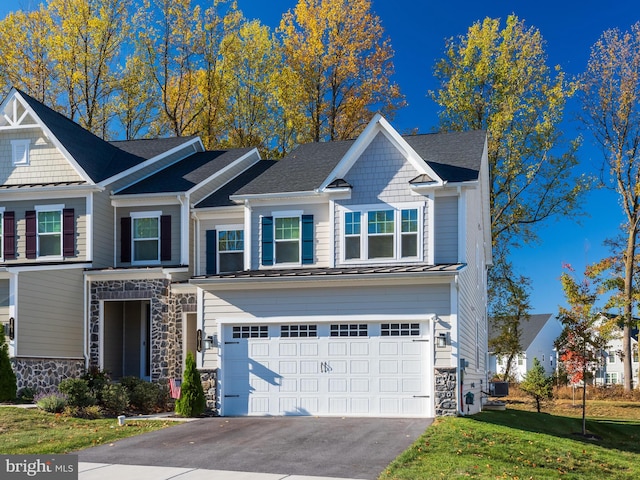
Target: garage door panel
x=360 y=385
x=337 y=385
x=412 y=367
x=288 y=367
x=309 y=367
x=389 y=385
x=309 y=385
x=388 y=348
x=288 y=349
x=358 y=348
x=308 y=349
x=289 y=385
x=387 y=367
x=359 y=367
x=259 y=349
x=337 y=349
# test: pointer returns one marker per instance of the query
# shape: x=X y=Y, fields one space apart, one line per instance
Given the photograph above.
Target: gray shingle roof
x=455 y=157
x=98 y=158
x=187 y=173
x=150 y=147
x=530 y=328
x=303 y=170
x=220 y=198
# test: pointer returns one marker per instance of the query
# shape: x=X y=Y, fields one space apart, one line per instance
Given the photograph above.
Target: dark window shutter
x=68 y=232
x=307 y=239
x=30 y=234
x=165 y=238
x=212 y=252
x=9 y=232
x=267 y=240
x=125 y=239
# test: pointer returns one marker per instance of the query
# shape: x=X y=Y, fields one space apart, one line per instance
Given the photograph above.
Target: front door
x=126 y=338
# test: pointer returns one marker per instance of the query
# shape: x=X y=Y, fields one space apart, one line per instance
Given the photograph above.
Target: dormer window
x=20 y=152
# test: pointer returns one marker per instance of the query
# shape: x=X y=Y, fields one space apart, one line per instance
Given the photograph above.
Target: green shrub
x=8 y=382
x=77 y=392
x=144 y=397
x=52 y=402
x=26 y=394
x=191 y=402
x=115 y=399
x=96 y=379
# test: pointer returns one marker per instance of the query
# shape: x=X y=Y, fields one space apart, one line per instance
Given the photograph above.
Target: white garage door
x=376 y=369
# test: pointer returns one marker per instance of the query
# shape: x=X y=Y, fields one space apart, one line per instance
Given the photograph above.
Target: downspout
x=85 y=324
x=455 y=344
x=248 y=244
x=196 y=243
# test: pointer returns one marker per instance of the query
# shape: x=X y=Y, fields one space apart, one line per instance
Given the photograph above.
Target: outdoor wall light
x=209 y=342
x=441 y=340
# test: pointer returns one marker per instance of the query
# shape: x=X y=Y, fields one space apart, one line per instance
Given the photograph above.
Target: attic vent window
x=20 y=152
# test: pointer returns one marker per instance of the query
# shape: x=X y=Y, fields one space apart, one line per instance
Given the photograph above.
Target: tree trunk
x=629 y=264
x=584 y=400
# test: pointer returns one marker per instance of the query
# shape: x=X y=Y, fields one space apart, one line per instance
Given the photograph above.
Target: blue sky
x=417 y=30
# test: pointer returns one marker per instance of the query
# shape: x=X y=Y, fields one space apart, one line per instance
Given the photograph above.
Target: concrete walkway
x=105 y=471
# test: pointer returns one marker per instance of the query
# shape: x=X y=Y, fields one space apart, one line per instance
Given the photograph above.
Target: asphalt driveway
x=330 y=447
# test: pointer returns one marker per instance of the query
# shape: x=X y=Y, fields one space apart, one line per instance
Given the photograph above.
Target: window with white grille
x=298 y=331
x=349 y=330
x=251 y=331
x=399 y=329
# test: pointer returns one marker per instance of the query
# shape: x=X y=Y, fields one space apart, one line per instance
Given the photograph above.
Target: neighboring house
x=611 y=371
x=348 y=278
x=537 y=339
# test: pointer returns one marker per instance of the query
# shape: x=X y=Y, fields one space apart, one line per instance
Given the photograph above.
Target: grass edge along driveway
x=34 y=431
x=516 y=444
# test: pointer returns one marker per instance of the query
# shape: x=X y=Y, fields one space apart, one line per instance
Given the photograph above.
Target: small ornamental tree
x=8 y=384
x=583 y=335
x=191 y=402
x=537 y=384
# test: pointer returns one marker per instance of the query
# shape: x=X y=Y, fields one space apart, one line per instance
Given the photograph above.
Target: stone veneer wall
x=178 y=305
x=163 y=326
x=446 y=402
x=209 y=384
x=43 y=373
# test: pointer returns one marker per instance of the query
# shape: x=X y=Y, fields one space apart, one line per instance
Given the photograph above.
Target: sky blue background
x=418 y=29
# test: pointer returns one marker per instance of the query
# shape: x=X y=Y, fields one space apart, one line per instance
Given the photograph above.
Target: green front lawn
x=33 y=431
x=517 y=444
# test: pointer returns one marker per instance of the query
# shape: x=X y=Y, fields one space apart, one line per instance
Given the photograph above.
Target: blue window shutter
x=307 y=239
x=212 y=251
x=267 y=240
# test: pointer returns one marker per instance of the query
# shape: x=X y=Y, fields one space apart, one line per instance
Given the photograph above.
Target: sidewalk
x=105 y=471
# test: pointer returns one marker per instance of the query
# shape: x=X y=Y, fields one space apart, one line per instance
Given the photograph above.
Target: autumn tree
x=26 y=61
x=585 y=332
x=342 y=64
x=497 y=79
x=610 y=97
x=251 y=64
x=537 y=384
x=86 y=45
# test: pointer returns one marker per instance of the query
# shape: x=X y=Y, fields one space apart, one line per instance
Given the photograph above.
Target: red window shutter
x=9 y=232
x=165 y=238
x=125 y=239
x=68 y=232
x=30 y=234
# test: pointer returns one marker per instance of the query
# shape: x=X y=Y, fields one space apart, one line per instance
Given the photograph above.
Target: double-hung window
x=49 y=231
x=145 y=237
x=231 y=250
x=287 y=239
x=20 y=152
x=381 y=234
